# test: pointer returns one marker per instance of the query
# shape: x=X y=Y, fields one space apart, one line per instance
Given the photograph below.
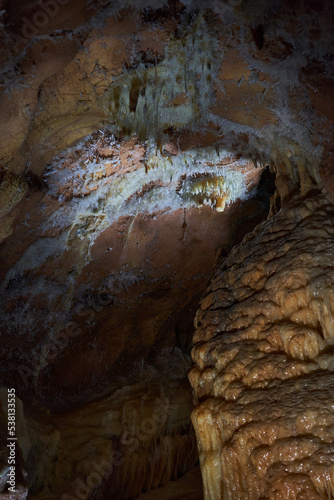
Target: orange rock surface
x=134 y=143
x=263 y=355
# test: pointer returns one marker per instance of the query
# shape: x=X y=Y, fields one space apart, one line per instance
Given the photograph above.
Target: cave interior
x=166 y=249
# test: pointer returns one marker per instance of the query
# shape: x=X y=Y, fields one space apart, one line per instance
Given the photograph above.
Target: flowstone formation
x=139 y=141
x=137 y=439
x=264 y=361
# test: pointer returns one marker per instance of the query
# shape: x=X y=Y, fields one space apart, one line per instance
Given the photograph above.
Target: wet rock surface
x=134 y=139
x=263 y=355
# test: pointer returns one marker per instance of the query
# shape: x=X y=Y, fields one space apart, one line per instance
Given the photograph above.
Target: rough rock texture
x=264 y=361
x=258 y=79
x=134 y=440
x=129 y=136
x=86 y=271
x=105 y=240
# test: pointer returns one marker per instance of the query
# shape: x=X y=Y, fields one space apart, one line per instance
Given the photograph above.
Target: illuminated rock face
x=116 y=230
x=129 y=136
x=263 y=353
x=112 y=254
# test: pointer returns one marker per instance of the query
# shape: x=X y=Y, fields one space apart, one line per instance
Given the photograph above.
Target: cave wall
x=134 y=137
x=230 y=78
x=263 y=355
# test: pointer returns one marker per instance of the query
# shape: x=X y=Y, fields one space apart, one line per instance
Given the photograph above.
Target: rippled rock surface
x=264 y=362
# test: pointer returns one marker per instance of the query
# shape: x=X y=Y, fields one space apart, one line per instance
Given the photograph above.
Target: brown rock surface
x=129 y=132
x=135 y=439
x=97 y=250
x=263 y=354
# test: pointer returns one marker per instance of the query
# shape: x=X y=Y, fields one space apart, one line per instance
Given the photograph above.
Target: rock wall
x=133 y=440
x=264 y=361
x=134 y=139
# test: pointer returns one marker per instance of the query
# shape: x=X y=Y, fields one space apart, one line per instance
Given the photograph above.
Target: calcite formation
x=136 y=439
x=139 y=141
x=263 y=353
x=102 y=204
